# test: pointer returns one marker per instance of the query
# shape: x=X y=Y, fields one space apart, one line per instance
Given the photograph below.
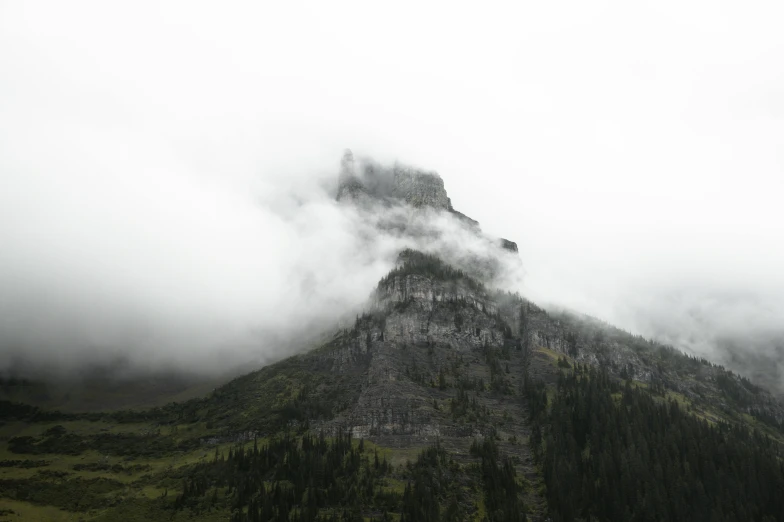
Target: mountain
x=447 y=399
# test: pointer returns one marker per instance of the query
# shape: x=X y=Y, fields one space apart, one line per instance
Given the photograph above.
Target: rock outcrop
x=428 y=329
x=419 y=189
x=405 y=184
x=509 y=245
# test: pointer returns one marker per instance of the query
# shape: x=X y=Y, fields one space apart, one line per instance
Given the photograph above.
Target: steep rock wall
x=419 y=188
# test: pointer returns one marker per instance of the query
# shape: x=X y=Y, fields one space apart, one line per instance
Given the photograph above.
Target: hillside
x=447 y=399
x=433 y=377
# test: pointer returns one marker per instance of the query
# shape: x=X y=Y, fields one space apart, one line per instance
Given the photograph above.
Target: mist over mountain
x=159 y=194
x=544 y=283
x=229 y=277
x=201 y=293
x=448 y=396
x=741 y=329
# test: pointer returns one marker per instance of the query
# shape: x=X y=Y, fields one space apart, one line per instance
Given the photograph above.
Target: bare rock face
x=420 y=327
x=419 y=189
x=427 y=293
x=437 y=312
x=509 y=245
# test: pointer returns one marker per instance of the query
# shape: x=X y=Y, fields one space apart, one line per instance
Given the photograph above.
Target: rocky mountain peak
x=401 y=183
x=371 y=183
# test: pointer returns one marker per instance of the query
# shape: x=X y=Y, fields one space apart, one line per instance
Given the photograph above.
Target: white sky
x=634 y=150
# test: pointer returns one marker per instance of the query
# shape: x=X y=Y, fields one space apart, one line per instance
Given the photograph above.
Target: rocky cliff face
x=509 y=245
x=431 y=360
x=419 y=189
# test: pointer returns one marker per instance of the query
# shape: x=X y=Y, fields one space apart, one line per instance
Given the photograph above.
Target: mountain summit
x=372 y=183
x=449 y=399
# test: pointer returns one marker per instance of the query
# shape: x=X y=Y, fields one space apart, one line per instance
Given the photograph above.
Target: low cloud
x=165 y=269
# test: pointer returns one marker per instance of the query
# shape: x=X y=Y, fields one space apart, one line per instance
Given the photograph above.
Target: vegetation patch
x=664 y=464
x=69 y=494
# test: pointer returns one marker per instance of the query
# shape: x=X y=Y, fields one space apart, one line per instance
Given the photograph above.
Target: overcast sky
x=634 y=151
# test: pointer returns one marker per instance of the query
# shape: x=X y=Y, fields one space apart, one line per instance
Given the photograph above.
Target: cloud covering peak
x=144 y=145
x=169 y=269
